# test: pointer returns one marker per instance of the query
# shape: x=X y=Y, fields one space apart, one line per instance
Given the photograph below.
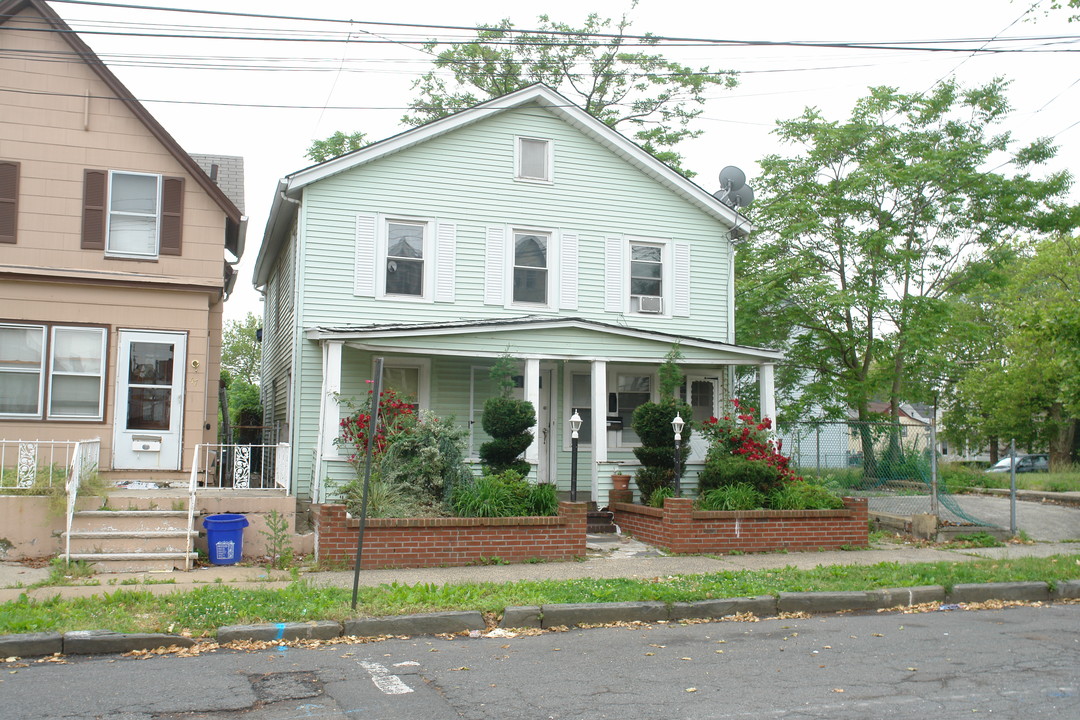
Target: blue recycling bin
x=225 y=537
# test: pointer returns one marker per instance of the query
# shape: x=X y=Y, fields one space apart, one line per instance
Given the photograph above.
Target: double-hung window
x=632 y=389
x=533 y=160
x=405 y=258
x=531 y=268
x=646 y=278
x=134 y=214
x=62 y=363
x=22 y=355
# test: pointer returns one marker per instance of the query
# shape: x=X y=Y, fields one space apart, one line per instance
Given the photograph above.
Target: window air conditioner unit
x=649 y=304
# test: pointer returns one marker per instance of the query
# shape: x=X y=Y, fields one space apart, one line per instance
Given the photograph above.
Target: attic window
x=533 y=159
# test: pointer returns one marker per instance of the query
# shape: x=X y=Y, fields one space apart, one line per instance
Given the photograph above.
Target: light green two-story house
x=522 y=226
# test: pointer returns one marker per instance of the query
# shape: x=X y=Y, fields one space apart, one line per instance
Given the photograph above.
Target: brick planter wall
x=431 y=542
x=681 y=529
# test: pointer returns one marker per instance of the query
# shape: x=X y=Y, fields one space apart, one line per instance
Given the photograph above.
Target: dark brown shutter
x=95 y=184
x=172 y=215
x=9 y=200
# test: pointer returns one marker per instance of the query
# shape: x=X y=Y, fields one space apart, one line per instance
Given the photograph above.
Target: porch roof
x=536 y=324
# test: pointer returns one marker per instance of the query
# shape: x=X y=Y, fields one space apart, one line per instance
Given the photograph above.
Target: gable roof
x=282 y=212
x=234 y=239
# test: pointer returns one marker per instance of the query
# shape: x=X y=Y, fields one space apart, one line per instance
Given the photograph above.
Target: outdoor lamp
x=575 y=425
x=677 y=425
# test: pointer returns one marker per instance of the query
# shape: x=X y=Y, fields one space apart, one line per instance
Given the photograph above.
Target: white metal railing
x=84 y=461
x=242 y=467
x=29 y=463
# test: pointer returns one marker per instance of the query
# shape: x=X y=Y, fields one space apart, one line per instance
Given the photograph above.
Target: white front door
x=149 y=413
x=704 y=394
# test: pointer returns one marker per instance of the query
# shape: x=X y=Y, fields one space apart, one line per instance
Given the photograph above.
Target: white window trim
x=42 y=370
x=569 y=371
x=518 y=177
x=109 y=252
x=381 y=247
x=101 y=375
x=667 y=277
x=553 y=275
x=612 y=382
x=424 y=380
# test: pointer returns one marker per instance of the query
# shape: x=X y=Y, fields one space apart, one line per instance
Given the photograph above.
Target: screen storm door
x=149 y=400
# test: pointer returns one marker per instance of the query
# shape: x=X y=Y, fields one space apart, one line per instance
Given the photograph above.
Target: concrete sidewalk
x=609 y=556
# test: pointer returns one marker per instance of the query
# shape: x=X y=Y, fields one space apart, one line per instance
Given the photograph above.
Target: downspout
x=294 y=373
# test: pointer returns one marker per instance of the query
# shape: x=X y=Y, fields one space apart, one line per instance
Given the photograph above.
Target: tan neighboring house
x=114 y=260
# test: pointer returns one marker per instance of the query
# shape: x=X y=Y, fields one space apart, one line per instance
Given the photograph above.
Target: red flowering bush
x=742 y=451
x=395 y=418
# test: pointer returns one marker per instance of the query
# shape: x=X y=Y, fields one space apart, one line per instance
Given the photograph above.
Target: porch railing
x=27 y=464
x=241 y=467
x=84 y=462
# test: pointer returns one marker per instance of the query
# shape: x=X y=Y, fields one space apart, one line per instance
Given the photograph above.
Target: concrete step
x=129 y=520
x=137 y=562
x=112 y=541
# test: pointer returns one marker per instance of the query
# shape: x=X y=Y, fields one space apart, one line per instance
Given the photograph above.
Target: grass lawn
x=202 y=610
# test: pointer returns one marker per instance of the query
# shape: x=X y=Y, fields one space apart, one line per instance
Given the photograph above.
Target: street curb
x=981 y=592
x=101 y=642
x=314 y=630
x=107 y=642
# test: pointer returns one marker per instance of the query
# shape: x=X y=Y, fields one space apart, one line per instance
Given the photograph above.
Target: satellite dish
x=731 y=179
x=734 y=192
x=742 y=197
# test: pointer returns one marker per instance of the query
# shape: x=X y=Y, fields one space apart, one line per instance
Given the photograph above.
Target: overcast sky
x=375 y=78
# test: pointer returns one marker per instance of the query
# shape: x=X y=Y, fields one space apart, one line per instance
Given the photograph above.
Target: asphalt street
x=1021 y=662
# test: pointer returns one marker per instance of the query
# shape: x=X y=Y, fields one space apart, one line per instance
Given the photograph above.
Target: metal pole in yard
x=933 y=467
x=1012 y=487
x=373 y=424
x=817 y=432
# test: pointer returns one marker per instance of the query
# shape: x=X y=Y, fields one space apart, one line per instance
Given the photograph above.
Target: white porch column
x=767 y=387
x=331 y=386
x=532 y=394
x=599 y=422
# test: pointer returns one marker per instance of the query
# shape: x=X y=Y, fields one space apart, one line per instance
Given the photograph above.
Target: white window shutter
x=446 y=257
x=568 y=272
x=614 y=282
x=494 y=267
x=364 y=262
x=681 y=290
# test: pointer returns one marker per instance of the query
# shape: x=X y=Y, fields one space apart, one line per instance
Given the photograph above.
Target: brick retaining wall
x=681 y=529
x=432 y=542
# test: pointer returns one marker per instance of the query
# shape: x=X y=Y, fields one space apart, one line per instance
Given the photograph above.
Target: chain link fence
x=891 y=464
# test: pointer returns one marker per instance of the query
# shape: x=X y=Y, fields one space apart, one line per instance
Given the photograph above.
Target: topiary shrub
x=508 y=421
x=652 y=423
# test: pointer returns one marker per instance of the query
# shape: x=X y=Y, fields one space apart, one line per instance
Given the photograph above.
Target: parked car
x=1024 y=464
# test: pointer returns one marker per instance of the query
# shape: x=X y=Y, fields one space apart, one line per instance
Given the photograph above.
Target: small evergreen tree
x=652 y=423
x=508 y=421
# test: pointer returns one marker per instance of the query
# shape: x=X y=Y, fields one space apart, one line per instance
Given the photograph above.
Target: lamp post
x=575 y=425
x=677 y=425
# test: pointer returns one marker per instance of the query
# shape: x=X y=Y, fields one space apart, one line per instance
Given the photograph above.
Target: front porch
x=602 y=371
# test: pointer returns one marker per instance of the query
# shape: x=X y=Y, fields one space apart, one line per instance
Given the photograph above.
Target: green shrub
x=722 y=469
x=384 y=499
x=506 y=416
x=739 y=496
x=427 y=462
x=504 y=495
x=803 y=496
x=658 y=496
x=650 y=479
x=652 y=422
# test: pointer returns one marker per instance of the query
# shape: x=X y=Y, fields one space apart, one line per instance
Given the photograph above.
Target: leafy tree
x=1028 y=387
x=241 y=355
x=241 y=352
x=337 y=144
x=872 y=224
x=598 y=66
